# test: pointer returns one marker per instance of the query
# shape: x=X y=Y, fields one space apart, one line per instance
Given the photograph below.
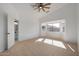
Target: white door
x=11 y=35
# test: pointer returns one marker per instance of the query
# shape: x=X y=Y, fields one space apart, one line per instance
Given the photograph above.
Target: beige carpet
x=41 y=47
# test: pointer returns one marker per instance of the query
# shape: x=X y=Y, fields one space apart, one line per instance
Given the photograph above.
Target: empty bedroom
x=39 y=29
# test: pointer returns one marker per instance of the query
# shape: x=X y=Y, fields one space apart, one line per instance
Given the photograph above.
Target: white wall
x=67 y=13
x=28 y=22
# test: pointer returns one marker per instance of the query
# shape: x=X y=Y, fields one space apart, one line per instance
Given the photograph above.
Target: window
x=55 y=27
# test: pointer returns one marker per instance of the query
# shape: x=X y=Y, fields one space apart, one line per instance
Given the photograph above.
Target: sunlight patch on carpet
x=59 y=44
x=48 y=41
x=52 y=42
x=71 y=48
x=39 y=40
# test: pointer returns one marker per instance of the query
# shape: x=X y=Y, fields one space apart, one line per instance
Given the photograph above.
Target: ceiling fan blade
x=47 y=4
x=35 y=8
x=43 y=9
x=47 y=7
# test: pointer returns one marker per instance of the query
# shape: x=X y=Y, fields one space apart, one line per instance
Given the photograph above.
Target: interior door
x=11 y=35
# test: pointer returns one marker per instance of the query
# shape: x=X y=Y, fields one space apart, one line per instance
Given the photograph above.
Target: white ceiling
x=20 y=10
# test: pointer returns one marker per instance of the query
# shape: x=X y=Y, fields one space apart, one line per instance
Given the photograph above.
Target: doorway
x=12 y=31
x=16 y=29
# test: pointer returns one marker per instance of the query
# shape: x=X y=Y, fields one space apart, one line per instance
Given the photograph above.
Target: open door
x=11 y=36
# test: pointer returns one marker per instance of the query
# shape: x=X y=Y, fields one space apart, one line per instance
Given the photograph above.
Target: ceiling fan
x=42 y=6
